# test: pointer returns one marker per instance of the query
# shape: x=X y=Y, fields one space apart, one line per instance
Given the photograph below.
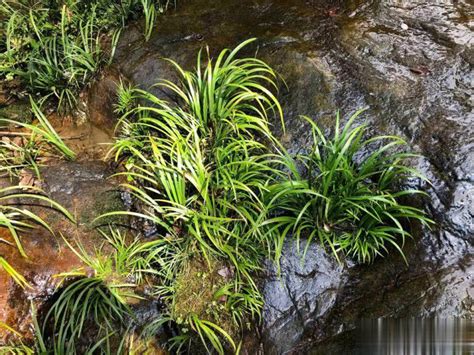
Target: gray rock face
x=410 y=63
x=299 y=295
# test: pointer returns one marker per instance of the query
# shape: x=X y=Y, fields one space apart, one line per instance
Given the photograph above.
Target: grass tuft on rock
x=219 y=196
x=200 y=167
x=349 y=198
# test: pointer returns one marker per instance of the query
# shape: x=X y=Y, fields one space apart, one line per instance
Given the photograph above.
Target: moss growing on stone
x=197 y=288
x=18 y=111
x=104 y=202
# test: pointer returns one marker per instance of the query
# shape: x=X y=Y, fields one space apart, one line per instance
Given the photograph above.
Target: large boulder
x=409 y=64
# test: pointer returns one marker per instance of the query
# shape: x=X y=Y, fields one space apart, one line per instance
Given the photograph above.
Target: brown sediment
x=87 y=140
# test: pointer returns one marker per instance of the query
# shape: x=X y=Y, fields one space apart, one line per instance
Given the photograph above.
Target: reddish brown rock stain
x=46 y=258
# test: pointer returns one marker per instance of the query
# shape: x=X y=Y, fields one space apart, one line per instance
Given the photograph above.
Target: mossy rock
x=196 y=288
x=104 y=202
x=19 y=111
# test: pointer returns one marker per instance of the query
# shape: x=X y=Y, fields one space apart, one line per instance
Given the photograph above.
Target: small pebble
x=404 y=26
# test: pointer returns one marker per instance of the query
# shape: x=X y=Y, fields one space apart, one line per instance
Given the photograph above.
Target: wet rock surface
x=100 y=100
x=46 y=258
x=299 y=297
x=86 y=191
x=410 y=64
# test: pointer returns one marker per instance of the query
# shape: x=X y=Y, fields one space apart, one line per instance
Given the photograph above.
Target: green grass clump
x=16 y=154
x=23 y=150
x=56 y=47
x=200 y=167
x=100 y=299
x=350 y=200
x=43 y=133
x=220 y=195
